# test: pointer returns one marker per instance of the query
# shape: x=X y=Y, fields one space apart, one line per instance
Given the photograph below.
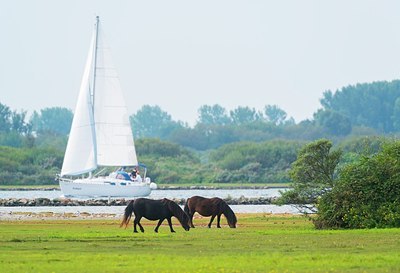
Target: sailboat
x=100 y=138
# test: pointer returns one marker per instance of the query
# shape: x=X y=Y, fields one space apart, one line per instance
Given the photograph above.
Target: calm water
x=156 y=194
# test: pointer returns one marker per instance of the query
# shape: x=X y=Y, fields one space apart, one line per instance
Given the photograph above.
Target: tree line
x=356 y=110
x=242 y=145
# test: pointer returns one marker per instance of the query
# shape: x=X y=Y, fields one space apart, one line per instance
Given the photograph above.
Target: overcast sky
x=181 y=55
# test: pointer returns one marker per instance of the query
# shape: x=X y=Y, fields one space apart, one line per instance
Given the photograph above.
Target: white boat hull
x=105 y=187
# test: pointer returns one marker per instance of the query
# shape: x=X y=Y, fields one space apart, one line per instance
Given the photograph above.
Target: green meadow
x=261 y=243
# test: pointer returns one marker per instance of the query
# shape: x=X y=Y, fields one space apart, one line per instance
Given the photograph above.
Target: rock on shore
x=40 y=202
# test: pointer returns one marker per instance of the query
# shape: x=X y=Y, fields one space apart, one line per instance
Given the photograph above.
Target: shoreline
x=54 y=216
x=159 y=187
x=60 y=202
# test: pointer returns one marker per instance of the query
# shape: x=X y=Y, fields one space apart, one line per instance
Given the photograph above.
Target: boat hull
x=104 y=187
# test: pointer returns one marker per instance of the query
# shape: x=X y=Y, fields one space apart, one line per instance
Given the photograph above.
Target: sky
x=181 y=55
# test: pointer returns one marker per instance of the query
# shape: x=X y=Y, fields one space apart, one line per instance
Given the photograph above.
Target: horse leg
x=191 y=219
x=140 y=226
x=212 y=219
x=158 y=225
x=219 y=220
x=170 y=224
x=137 y=222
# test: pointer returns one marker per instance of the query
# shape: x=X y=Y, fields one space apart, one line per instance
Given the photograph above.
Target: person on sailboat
x=133 y=175
x=138 y=177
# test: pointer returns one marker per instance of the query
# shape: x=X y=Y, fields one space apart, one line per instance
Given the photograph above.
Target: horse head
x=185 y=221
x=179 y=214
x=230 y=216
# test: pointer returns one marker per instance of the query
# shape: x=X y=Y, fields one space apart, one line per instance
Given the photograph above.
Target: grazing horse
x=154 y=210
x=210 y=207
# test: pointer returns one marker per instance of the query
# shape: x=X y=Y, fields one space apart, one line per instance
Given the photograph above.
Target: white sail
x=101 y=134
x=115 y=146
x=80 y=153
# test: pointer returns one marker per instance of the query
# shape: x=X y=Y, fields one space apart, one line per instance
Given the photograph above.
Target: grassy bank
x=261 y=243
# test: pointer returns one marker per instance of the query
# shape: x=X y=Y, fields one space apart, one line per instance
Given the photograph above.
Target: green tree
x=13 y=121
x=53 y=120
x=243 y=115
x=396 y=115
x=334 y=122
x=213 y=115
x=369 y=104
x=367 y=194
x=152 y=121
x=18 y=123
x=275 y=114
x=313 y=173
x=5 y=116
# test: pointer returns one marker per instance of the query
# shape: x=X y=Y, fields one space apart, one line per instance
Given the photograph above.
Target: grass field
x=261 y=243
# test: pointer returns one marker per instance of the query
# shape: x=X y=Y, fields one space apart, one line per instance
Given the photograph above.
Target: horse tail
x=127 y=214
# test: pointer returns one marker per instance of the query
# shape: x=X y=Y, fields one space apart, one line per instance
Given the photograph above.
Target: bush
x=367 y=194
x=255 y=162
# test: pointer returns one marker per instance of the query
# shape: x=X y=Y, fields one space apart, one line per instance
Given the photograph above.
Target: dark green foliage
x=205 y=136
x=366 y=145
x=367 y=195
x=313 y=173
x=25 y=166
x=170 y=163
x=157 y=148
x=255 y=162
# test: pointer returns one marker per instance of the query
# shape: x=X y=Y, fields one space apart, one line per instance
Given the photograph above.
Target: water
x=156 y=194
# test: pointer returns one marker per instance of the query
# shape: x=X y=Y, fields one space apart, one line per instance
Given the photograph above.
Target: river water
x=156 y=194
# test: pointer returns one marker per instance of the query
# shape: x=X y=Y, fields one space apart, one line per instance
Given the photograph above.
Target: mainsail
x=100 y=134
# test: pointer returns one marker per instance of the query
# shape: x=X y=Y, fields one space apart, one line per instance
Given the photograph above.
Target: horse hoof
x=135 y=231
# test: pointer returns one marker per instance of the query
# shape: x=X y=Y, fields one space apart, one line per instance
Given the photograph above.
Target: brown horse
x=154 y=210
x=210 y=207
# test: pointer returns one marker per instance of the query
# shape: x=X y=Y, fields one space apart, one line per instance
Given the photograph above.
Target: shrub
x=367 y=194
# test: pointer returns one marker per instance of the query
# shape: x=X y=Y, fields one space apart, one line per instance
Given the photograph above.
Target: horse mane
x=228 y=212
x=175 y=209
x=127 y=214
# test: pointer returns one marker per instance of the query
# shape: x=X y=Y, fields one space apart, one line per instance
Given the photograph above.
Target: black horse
x=154 y=210
x=210 y=207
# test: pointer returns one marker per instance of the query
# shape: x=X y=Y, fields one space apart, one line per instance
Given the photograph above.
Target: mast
x=96 y=39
